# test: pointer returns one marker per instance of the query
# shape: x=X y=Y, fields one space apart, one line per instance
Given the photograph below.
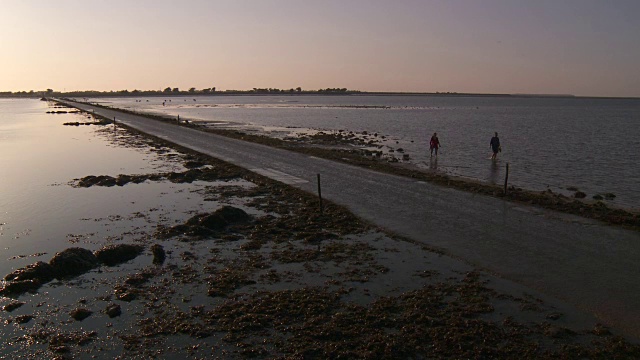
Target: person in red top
x=434 y=144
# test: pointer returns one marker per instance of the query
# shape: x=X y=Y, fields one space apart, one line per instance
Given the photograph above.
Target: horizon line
x=292 y=91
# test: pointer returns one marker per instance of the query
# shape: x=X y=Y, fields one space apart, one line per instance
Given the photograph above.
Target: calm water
x=554 y=143
x=41 y=213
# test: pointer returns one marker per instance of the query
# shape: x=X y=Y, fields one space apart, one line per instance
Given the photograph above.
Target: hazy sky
x=582 y=47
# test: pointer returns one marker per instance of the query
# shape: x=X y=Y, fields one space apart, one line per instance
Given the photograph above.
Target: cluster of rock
x=70 y=262
x=77 y=123
x=189 y=176
x=581 y=195
x=204 y=225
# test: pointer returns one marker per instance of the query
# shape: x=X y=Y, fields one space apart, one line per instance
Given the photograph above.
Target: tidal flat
x=254 y=268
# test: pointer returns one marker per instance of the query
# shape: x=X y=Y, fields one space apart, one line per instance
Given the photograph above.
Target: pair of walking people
x=434 y=145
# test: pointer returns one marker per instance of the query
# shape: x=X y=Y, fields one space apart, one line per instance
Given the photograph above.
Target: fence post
x=320 y=195
x=506 y=179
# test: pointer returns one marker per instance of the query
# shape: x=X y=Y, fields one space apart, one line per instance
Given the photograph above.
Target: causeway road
x=587 y=264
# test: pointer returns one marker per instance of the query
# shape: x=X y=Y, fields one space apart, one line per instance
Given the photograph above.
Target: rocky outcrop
x=20 y=287
x=40 y=271
x=102 y=180
x=70 y=262
x=116 y=254
x=113 y=310
x=195 y=173
x=73 y=262
x=219 y=219
x=12 y=306
x=158 y=254
x=203 y=225
x=80 y=314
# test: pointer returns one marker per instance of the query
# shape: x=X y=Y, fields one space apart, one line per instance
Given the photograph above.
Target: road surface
x=587 y=264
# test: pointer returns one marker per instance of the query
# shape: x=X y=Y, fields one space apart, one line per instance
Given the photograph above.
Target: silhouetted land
x=265 y=91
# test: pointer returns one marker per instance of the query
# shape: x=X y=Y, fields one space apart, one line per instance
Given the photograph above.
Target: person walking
x=434 y=144
x=495 y=146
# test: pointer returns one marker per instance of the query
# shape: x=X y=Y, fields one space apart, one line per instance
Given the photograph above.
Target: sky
x=579 y=47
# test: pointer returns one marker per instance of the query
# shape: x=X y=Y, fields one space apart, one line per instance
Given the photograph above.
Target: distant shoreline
x=305 y=93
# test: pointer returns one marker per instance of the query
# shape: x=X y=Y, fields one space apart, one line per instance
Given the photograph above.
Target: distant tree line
x=26 y=94
x=173 y=91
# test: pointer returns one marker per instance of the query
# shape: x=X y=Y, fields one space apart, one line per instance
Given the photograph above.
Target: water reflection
x=494 y=172
x=433 y=163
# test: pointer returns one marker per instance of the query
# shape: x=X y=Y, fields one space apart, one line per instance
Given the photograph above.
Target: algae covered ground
x=250 y=268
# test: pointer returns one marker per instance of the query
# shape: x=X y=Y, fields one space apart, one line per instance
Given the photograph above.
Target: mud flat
x=256 y=270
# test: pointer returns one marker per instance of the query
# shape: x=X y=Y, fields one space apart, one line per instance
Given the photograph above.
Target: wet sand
x=285 y=282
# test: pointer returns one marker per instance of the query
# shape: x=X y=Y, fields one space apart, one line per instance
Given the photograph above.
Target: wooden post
x=320 y=195
x=506 y=179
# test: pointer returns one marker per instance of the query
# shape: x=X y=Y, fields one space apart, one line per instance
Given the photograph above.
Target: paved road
x=592 y=266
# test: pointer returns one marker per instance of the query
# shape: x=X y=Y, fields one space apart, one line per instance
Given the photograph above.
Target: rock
x=193 y=164
x=102 y=180
x=122 y=180
x=579 y=195
x=29 y=278
x=59 y=349
x=598 y=197
x=113 y=310
x=12 y=306
x=220 y=218
x=116 y=254
x=80 y=314
x=204 y=225
x=20 y=287
x=39 y=271
x=557 y=332
x=23 y=319
x=138 y=278
x=73 y=261
x=554 y=316
x=601 y=330
x=158 y=254
x=126 y=296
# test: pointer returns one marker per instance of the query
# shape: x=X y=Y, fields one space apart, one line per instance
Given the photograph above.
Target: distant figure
x=434 y=144
x=495 y=146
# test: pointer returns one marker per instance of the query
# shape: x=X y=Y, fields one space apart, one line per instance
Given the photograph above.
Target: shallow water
x=41 y=213
x=548 y=142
